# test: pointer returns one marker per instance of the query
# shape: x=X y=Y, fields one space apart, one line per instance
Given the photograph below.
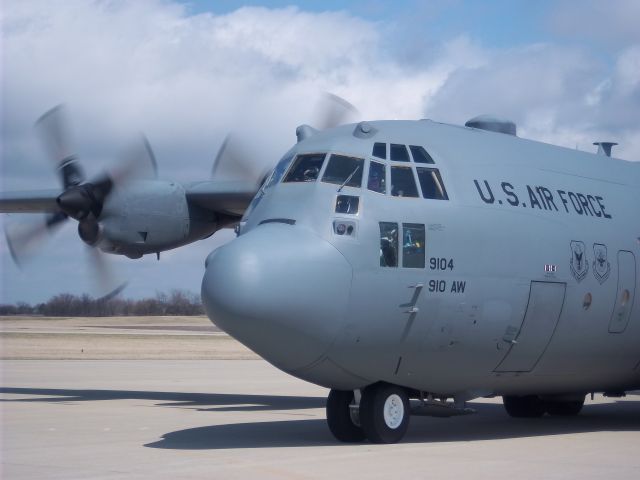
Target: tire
x=528 y=406
x=384 y=413
x=339 y=417
x=564 y=409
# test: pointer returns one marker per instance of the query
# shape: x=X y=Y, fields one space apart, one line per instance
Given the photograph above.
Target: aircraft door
x=537 y=328
x=626 y=292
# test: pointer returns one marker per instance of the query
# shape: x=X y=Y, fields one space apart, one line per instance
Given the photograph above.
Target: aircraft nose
x=281 y=290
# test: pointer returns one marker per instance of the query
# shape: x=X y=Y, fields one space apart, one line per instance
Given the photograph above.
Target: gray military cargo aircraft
x=405 y=263
x=411 y=266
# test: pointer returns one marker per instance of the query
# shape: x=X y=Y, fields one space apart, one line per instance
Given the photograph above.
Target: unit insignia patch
x=601 y=265
x=578 y=263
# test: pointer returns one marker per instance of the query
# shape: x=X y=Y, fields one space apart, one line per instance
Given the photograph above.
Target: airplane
x=412 y=266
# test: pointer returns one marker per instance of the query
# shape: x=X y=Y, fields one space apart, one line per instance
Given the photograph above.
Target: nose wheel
x=383 y=416
x=342 y=416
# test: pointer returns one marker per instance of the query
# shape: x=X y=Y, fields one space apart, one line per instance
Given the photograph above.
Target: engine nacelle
x=150 y=216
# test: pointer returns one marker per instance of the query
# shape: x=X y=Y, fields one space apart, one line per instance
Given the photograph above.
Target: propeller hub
x=75 y=202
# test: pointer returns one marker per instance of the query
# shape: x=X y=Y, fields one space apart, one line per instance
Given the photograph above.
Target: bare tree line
x=177 y=302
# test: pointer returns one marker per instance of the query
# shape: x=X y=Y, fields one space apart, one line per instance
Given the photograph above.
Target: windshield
x=402 y=182
x=344 y=170
x=306 y=168
x=278 y=172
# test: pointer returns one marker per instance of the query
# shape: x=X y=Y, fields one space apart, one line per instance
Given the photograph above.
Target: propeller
x=81 y=200
x=54 y=135
x=233 y=163
x=27 y=237
x=332 y=110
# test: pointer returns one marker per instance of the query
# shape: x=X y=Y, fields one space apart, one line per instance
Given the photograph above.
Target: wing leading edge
x=32 y=201
x=228 y=197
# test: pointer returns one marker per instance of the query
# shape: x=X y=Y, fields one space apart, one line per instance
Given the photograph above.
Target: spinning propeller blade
x=233 y=163
x=27 y=237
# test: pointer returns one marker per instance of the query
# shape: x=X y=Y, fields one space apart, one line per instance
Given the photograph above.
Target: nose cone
x=281 y=290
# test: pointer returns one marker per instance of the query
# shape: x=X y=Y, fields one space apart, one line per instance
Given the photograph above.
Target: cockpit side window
x=380 y=150
x=403 y=183
x=305 y=168
x=420 y=155
x=377 y=177
x=431 y=183
x=399 y=153
x=388 y=244
x=344 y=170
x=413 y=240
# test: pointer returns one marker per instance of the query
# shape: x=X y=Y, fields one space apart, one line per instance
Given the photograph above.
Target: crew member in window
x=375 y=182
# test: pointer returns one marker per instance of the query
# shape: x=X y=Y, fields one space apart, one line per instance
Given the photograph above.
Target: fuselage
x=474 y=263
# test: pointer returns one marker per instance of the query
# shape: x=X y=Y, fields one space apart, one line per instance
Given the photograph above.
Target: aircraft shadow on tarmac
x=490 y=423
x=214 y=401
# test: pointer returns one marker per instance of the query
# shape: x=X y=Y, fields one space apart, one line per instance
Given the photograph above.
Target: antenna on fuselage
x=604 y=148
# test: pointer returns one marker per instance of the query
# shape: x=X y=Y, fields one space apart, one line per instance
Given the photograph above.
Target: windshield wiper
x=348 y=178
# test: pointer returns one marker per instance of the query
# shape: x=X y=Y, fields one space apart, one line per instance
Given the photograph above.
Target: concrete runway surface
x=230 y=419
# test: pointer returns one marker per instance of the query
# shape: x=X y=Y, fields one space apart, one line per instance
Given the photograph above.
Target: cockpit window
x=431 y=183
x=278 y=172
x=403 y=183
x=420 y=155
x=377 y=177
x=305 y=168
x=413 y=245
x=347 y=204
x=388 y=244
x=344 y=170
x=399 y=153
x=380 y=150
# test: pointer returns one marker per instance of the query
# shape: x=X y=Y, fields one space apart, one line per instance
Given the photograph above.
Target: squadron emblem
x=578 y=263
x=601 y=265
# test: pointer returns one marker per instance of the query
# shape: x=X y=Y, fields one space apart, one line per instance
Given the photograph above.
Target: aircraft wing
x=228 y=197
x=32 y=201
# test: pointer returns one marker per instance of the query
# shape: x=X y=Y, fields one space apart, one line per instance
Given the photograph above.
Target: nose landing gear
x=343 y=418
x=383 y=416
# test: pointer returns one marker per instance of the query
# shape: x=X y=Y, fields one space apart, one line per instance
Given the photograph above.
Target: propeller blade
x=53 y=131
x=27 y=237
x=106 y=283
x=232 y=163
x=138 y=162
x=333 y=110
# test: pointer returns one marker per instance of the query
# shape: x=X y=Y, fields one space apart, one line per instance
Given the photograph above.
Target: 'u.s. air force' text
x=544 y=199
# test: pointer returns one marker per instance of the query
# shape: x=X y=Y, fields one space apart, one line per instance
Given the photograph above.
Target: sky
x=186 y=73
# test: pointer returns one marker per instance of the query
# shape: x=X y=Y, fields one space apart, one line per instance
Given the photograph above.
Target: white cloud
x=612 y=23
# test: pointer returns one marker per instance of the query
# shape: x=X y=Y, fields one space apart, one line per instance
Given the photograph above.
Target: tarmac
x=227 y=419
